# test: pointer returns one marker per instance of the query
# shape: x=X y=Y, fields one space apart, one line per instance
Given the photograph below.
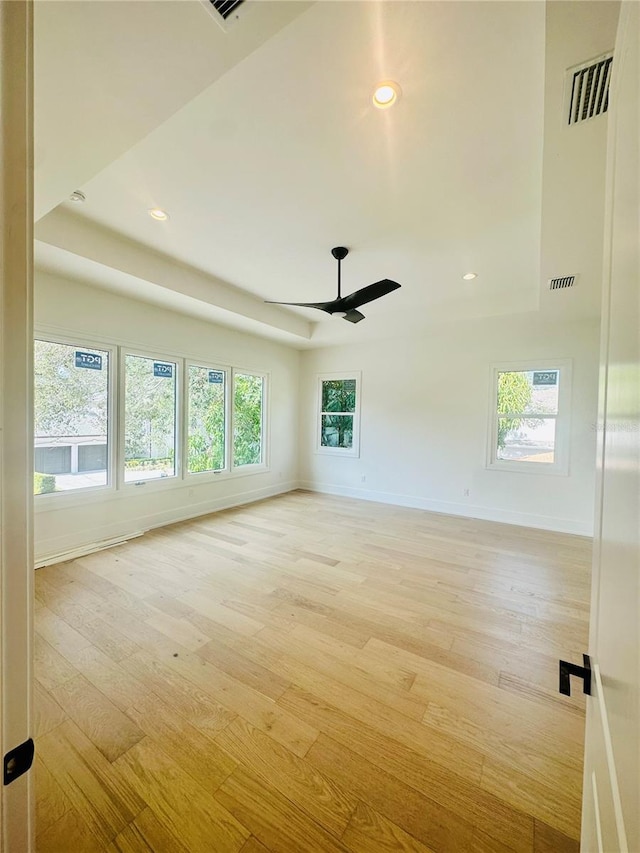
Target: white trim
x=560 y=467
x=596 y=811
x=623 y=846
x=57 y=547
x=17 y=800
x=352 y=452
x=502 y=516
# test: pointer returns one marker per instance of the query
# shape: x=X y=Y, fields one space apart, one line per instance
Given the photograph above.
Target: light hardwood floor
x=312 y=673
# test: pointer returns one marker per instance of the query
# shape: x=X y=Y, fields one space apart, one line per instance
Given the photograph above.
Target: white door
x=16 y=442
x=612 y=764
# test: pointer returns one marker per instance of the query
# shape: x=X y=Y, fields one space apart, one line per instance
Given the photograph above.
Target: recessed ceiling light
x=386 y=94
x=158 y=213
x=77 y=196
x=469 y=276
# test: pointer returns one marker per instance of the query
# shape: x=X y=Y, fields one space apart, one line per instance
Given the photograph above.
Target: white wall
x=67 y=522
x=425 y=416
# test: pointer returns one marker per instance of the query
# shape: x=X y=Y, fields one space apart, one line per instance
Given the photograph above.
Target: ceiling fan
x=348 y=306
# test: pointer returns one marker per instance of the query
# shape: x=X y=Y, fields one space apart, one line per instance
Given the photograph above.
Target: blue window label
x=88 y=359
x=545 y=377
x=164 y=370
x=216 y=377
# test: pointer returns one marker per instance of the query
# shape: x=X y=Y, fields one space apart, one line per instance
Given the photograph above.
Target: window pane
x=149 y=418
x=531 y=391
x=527 y=439
x=247 y=419
x=339 y=395
x=337 y=431
x=206 y=419
x=71 y=388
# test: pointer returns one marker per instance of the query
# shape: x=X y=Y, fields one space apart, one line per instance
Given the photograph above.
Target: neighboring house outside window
x=529 y=428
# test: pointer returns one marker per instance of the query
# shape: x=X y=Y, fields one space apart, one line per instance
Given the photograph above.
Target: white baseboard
x=68 y=547
x=521 y=519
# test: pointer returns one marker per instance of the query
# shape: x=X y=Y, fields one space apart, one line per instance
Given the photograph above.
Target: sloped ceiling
x=265 y=167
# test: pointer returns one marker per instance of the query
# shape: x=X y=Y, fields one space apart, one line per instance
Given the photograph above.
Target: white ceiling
x=283 y=156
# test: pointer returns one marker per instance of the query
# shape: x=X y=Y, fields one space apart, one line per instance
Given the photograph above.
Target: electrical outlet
x=466 y=493
x=363 y=479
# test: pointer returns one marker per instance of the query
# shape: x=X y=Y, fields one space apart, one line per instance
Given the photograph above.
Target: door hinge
x=18 y=761
x=584 y=672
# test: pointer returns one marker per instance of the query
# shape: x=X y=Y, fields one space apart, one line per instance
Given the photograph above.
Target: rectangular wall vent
x=225 y=7
x=588 y=89
x=562 y=282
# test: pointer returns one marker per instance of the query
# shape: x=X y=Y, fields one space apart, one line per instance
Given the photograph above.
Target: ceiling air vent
x=225 y=7
x=561 y=283
x=587 y=89
x=225 y=12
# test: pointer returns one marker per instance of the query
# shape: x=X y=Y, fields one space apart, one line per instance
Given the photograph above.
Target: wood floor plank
x=101 y=721
x=293 y=777
x=146 y=833
x=254 y=846
x=96 y=791
x=51 y=803
x=196 y=753
x=195 y=705
x=312 y=673
x=420 y=817
x=109 y=677
x=546 y=839
x=182 y=806
x=48 y=713
x=272 y=818
x=69 y=832
x=458 y=757
x=369 y=830
x=459 y=796
x=259 y=710
x=559 y=807
x=51 y=668
x=347 y=674
x=239 y=666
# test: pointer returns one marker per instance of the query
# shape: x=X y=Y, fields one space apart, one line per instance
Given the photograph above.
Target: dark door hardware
x=18 y=761
x=568 y=669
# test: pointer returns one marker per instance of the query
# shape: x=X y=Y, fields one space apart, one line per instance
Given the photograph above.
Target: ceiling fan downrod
x=339 y=253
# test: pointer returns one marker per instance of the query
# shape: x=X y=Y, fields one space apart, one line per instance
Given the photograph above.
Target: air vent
x=588 y=89
x=561 y=283
x=225 y=7
x=224 y=12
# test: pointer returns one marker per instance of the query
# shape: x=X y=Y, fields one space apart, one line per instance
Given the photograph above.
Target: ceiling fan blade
x=369 y=293
x=353 y=316
x=323 y=306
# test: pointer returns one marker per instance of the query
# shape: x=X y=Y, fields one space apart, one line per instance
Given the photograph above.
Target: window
x=530 y=418
x=149 y=418
x=206 y=436
x=248 y=419
x=338 y=421
x=71 y=414
x=169 y=410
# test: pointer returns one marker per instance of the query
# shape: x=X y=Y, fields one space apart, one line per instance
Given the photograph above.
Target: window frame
x=264 y=464
x=79 y=495
x=352 y=452
x=179 y=421
x=560 y=465
x=205 y=476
